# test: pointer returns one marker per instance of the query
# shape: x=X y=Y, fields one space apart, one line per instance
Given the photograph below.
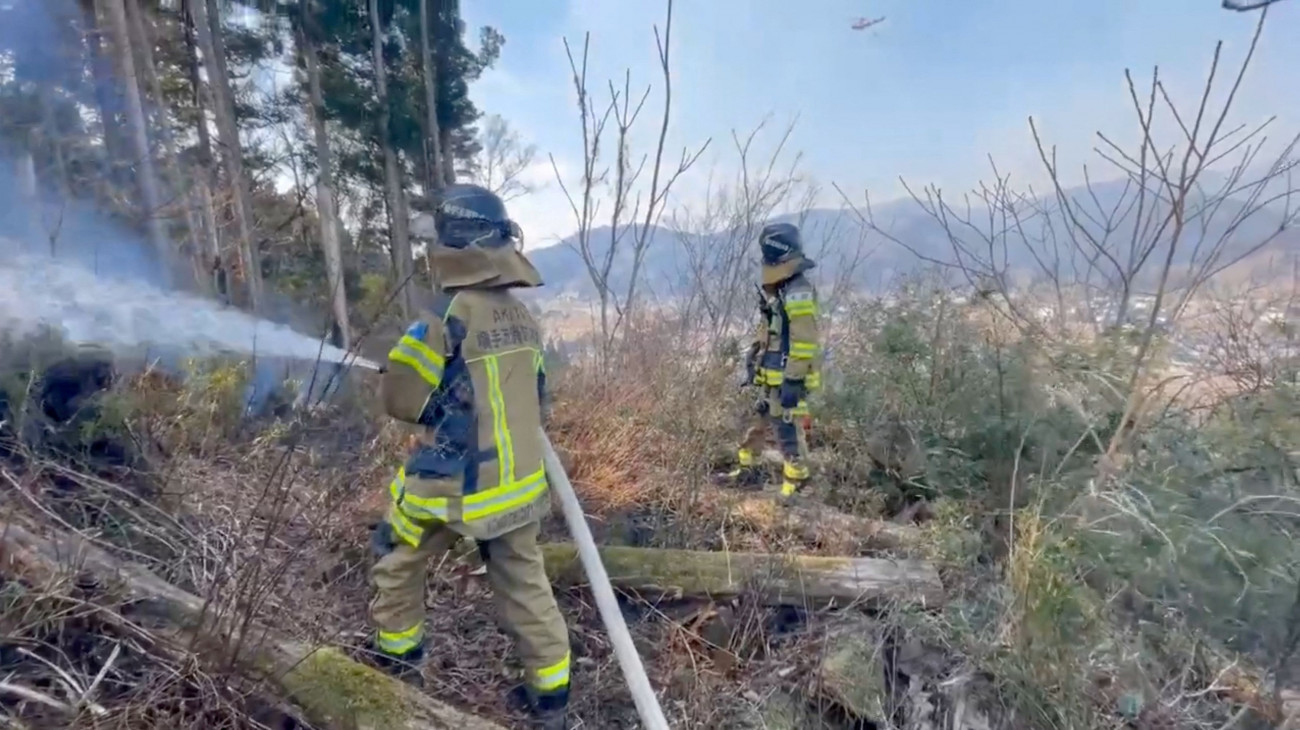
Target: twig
x=32 y=695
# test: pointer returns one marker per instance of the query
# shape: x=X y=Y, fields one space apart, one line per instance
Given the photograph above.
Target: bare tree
x=503 y=159
x=717 y=274
x=661 y=181
x=632 y=211
x=394 y=185
x=325 y=203
x=1138 y=250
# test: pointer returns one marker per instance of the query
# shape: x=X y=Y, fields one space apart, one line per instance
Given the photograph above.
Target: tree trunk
x=214 y=265
x=107 y=96
x=325 y=206
x=394 y=186
x=29 y=189
x=433 y=167
x=196 y=85
x=146 y=175
x=142 y=39
x=447 y=157
x=334 y=692
x=207 y=26
x=798 y=580
x=53 y=134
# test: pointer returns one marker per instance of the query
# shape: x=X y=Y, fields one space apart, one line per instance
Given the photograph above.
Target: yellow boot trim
x=556 y=676
x=399 y=643
x=794 y=472
x=745 y=457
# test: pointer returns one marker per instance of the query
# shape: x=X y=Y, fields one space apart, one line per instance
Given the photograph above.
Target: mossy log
x=333 y=691
x=796 y=580
x=851 y=673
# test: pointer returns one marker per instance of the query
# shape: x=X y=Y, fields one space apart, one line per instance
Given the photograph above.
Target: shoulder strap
x=442 y=307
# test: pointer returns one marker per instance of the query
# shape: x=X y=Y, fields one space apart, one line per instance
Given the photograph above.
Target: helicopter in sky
x=864 y=23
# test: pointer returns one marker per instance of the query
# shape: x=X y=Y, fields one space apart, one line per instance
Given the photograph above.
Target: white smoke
x=37 y=292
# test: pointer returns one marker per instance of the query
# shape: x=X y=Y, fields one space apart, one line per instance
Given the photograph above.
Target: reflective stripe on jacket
x=788 y=335
x=472 y=373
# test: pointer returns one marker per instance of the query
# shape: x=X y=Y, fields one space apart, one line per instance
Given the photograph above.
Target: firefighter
x=783 y=359
x=470 y=372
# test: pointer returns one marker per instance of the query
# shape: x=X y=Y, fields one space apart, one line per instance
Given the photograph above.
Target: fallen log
x=797 y=580
x=333 y=691
x=817 y=524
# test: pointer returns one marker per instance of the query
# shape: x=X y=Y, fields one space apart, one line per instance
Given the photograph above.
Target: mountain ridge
x=836 y=237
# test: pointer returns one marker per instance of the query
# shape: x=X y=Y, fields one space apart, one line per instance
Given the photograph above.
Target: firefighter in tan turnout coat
x=470 y=371
x=783 y=359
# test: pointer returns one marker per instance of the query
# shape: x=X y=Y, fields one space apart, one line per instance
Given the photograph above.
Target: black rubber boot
x=742 y=477
x=407 y=667
x=551 y=711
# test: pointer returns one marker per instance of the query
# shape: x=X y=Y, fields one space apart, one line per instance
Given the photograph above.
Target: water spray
x=37 y=292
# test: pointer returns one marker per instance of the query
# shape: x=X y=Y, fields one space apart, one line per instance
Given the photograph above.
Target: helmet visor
x=480 y=233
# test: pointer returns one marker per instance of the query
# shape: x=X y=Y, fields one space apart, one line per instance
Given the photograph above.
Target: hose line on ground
x=647 y=705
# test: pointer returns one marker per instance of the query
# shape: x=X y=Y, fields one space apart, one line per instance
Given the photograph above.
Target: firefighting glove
x=792 y=391
x=382 y=540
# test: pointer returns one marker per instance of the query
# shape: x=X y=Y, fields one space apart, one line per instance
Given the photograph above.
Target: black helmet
x=780 y=242
x=472 y=215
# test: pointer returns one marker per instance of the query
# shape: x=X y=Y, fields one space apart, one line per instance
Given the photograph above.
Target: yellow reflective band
x=424 y=508
x=813 y=381
x=397 y=487
x=794 y=471
x=500 y=431
x=504 y=498
x=410 y=532
x=745 y=457
x=397 y=643
x=422 y=350
x=539 y=361
x=801 y=309
x=417 y=355
x=788 y=489
x=475 y=506
x=554 y=677
x=803 y=350
x=772 y=376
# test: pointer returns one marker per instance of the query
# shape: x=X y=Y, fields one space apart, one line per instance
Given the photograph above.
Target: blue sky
x=929 y=94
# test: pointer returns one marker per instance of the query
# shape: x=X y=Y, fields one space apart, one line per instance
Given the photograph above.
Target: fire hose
x=629 y=661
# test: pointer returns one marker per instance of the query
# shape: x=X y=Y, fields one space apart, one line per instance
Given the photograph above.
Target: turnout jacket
x=470 y=371
x=787 y=336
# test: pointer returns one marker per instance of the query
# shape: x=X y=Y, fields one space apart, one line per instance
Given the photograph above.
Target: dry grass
x=268 y=518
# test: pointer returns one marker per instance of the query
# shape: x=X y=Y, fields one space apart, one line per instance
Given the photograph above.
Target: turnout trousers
x=790 y=437
x=525 y=603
